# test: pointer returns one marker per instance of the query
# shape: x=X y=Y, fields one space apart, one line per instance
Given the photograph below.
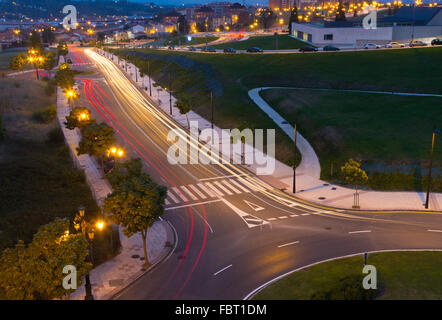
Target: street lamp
x=80 y=224
x=116 y=152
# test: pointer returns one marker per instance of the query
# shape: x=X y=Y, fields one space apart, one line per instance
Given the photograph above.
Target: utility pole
x=431 y=164
x=294 y=163
x=170 y=94
x=148 y=74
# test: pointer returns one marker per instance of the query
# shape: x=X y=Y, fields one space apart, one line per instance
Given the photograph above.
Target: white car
x=371 y=46
x=394 y=45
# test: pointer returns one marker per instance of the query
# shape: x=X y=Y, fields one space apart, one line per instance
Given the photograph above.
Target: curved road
x=234 y=231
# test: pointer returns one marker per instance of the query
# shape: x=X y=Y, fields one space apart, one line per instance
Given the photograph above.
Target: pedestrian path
x=116 y=273
x=206 y=190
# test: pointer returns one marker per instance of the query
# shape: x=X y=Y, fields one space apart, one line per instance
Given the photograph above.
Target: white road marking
x=239 y=186
x=171 y=196
x=305 y=214
x=192 y=205
x=189 y=193
x=271 y=219
x=222 y=177
x=294 y=215
x=360 y=231
x=225 y=268
x=434 y=230
x=217 y=192
x=197 y=191
x=219 y=185
x=231 y=187
x=209 y=192
x=288 y=244
x=254 y=206
x=179 y=193
x=244 y=215
x=167 y=202
x=282 y=217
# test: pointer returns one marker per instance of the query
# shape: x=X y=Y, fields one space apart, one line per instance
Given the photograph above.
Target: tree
x=96 y=140
x=184 y=105
x=18 y=62
x=100 y=37
x=49 y=62
x=183 y=26
x=79 y=117
x=35 y=41
x=36 y=271
x=267 y=18
x=65 y=77
x=136 y=201
x=340 y=13
x=62 y=50
x=354 y=175
x=293 y=18
x=48 y=36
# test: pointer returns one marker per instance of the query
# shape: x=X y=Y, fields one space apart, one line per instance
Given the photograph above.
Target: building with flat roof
x=422 y=23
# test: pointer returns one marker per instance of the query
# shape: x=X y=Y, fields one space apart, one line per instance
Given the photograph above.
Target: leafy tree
x=340 y=13
x=18 y=62
x=293 y=18
x=136 y=201
x=79 y=117
x=96 y=140
x=49 y=62
x=267 y=18
x=183 y=26
x=35 y=272
x=100 y=37
x=65 y=77
x=184 y=105
x=62 y=49
x=48 y=36
x=35 y=41
x=353 y=174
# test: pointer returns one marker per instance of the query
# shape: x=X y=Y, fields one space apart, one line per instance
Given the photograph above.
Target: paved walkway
x=309 y=186
x=113 y=275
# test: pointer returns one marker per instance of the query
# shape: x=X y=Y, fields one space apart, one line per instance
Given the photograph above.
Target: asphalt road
x=234 y=232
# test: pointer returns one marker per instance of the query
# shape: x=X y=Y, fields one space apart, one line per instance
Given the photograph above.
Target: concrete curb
x=266 y=284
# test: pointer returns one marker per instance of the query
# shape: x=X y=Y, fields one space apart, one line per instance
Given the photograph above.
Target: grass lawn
x=6 y=56
x=265 y=43
x=38 y=179
x=231 y=76
x=175 y=41
x=370 y=127
x=401 y=275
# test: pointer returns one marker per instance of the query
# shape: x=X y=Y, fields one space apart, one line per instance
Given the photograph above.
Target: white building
x=424 y=24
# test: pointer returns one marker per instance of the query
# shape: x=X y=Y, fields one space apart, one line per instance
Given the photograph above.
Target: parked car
x=417 y=43
x=436 y=42
x=208 y=49
x=330 y=48
x=394 y=45
x=255 y=49
x=171 y=48
x=192 y=49
x=371 y=46
x=308 y=48
x=229 y=50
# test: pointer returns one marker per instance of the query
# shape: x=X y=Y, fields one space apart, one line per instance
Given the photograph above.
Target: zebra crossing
x=206 y=190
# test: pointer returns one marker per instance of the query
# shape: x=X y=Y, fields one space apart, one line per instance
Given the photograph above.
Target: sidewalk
x=116 y=273
x=308 y=184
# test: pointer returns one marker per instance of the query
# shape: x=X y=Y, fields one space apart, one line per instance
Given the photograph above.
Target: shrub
x=55 y=135
x=45 y=115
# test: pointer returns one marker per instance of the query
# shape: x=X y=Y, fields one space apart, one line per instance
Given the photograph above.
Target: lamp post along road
x=85 y=227
x=431 y=164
